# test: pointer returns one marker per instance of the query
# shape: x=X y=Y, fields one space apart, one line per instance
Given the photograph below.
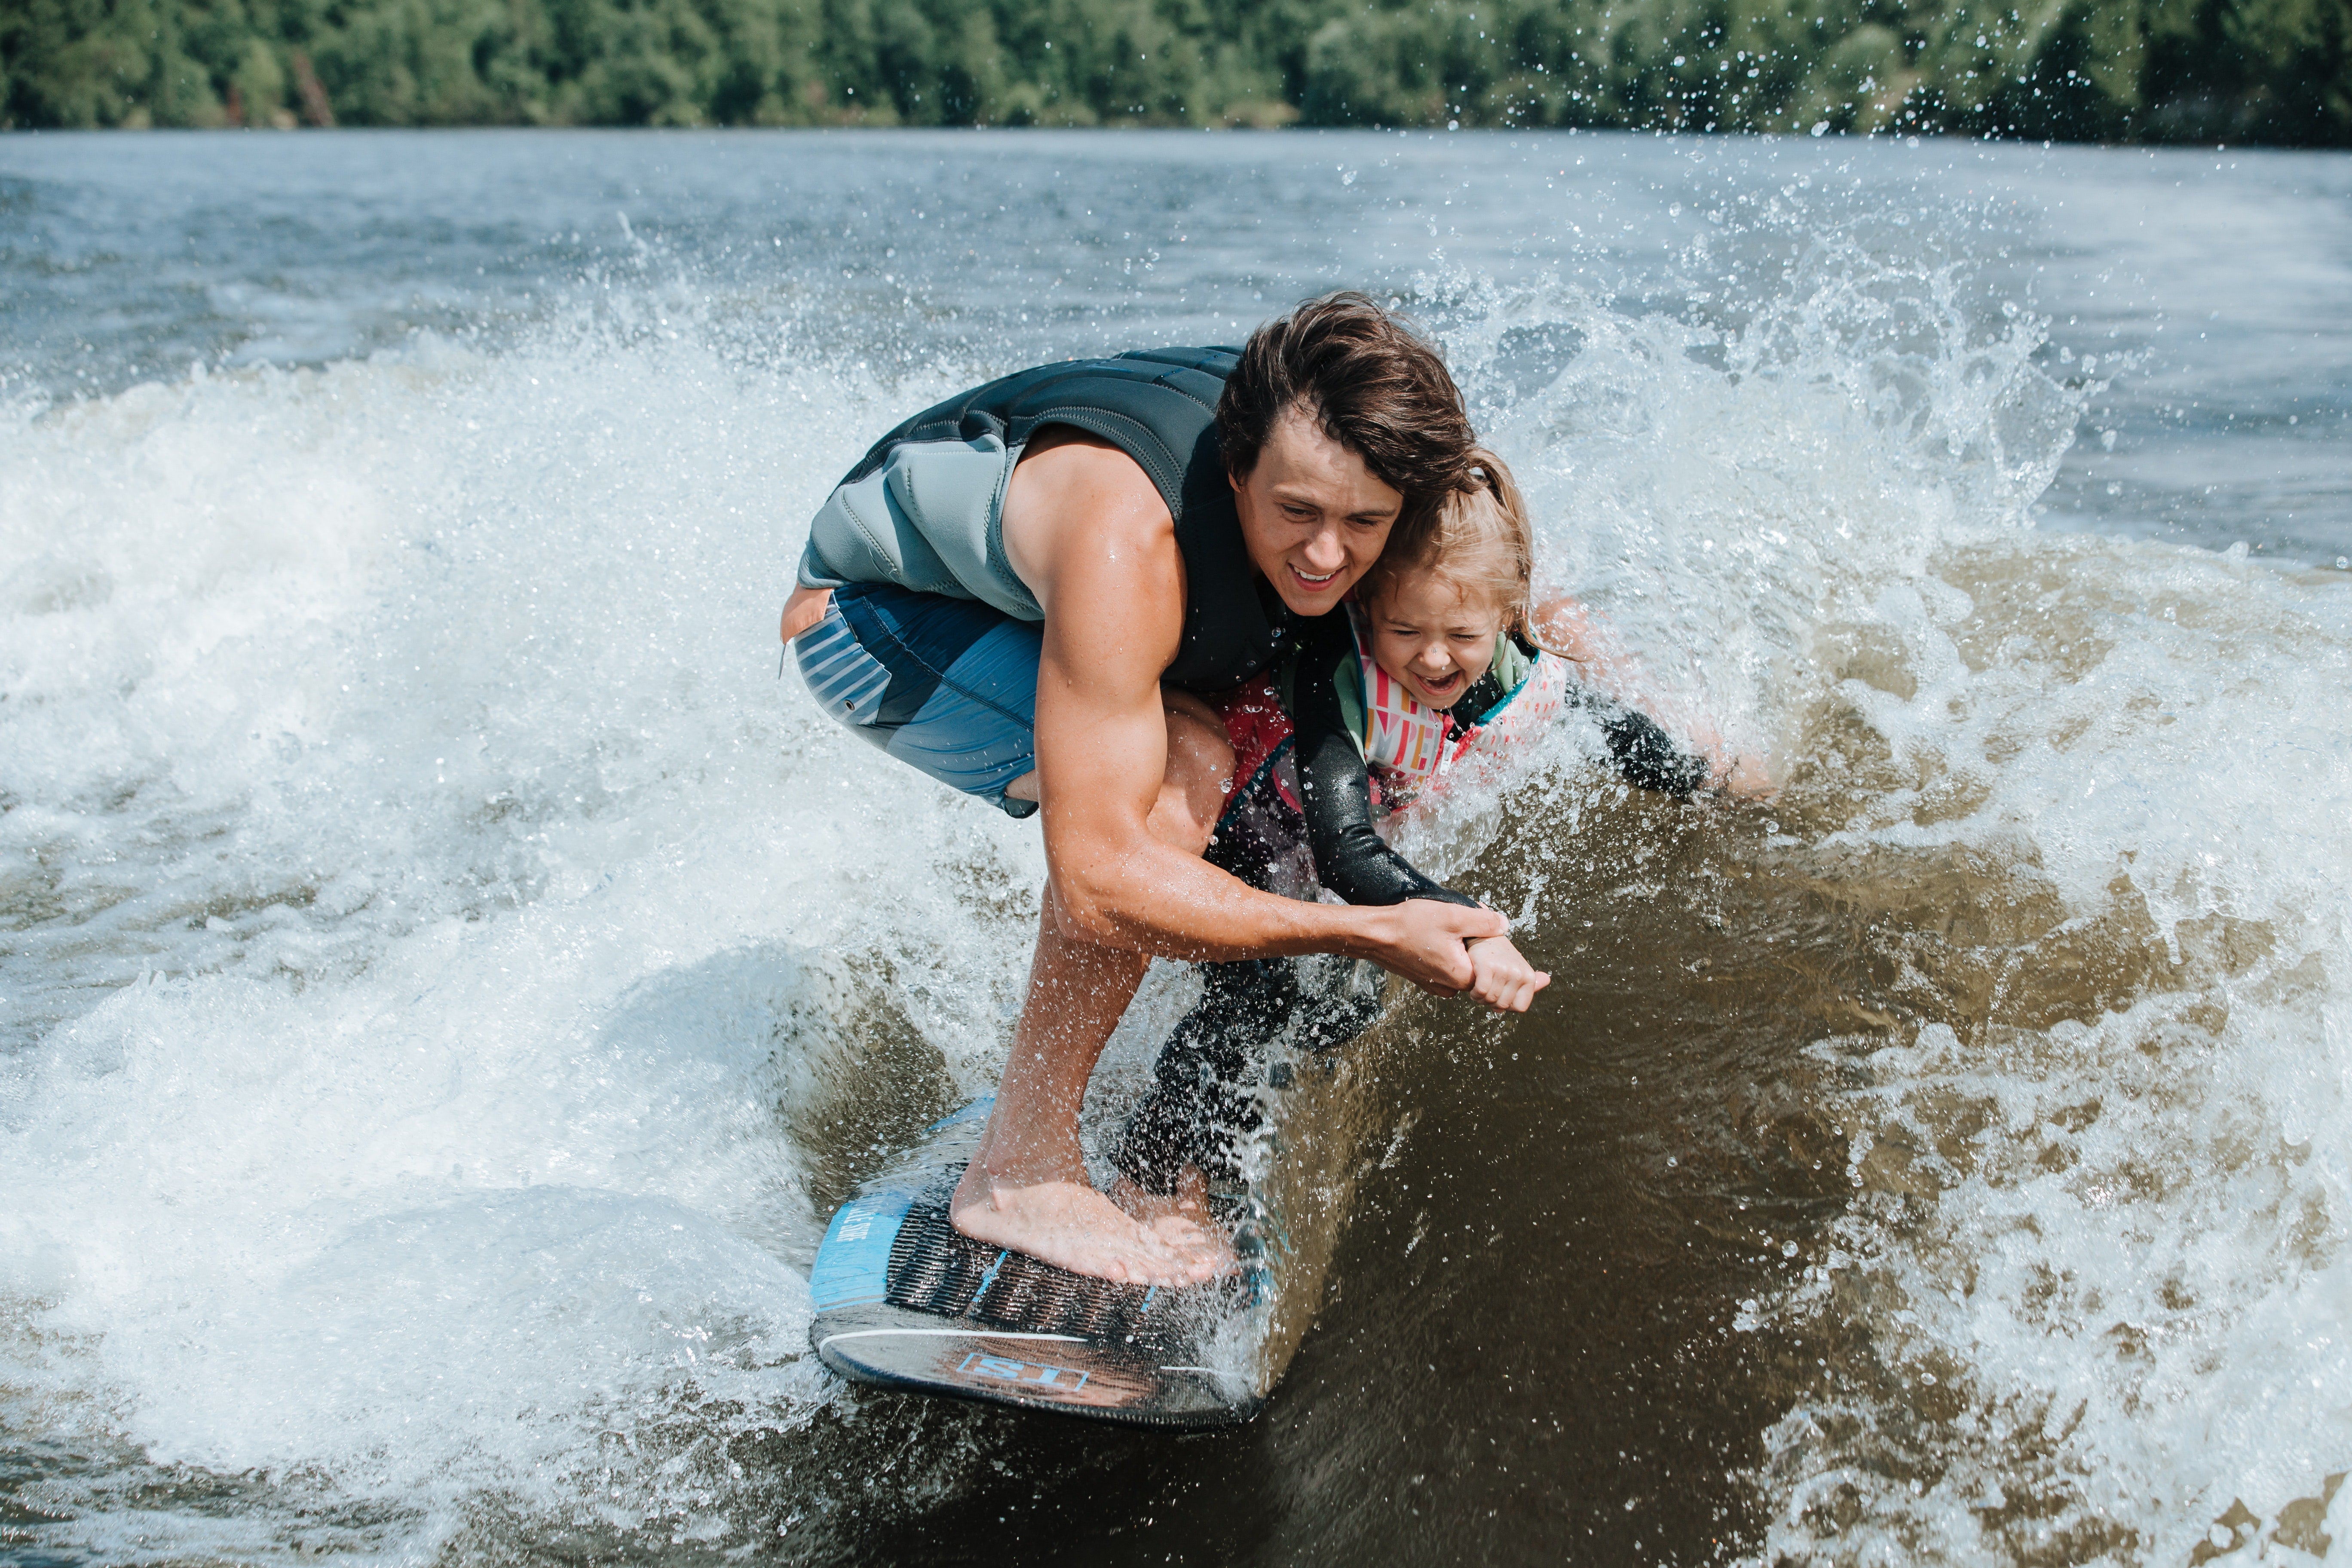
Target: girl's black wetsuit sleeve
x=1645 y=756
x=1336 y=792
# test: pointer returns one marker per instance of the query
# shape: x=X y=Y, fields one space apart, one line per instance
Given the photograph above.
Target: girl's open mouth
x=1437 y=685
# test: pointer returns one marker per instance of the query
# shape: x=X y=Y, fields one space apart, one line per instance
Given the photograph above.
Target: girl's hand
x=1746 y=778
x=1501 y=978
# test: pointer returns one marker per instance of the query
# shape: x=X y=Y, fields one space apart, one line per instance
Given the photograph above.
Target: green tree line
x=2270 y=71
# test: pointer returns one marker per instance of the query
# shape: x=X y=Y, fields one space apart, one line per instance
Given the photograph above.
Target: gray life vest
x=925 y=507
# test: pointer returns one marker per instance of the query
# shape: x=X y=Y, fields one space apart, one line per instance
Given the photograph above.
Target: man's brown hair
x=1374 y=384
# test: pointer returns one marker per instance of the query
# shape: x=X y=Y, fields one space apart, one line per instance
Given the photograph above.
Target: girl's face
x=1427 y=635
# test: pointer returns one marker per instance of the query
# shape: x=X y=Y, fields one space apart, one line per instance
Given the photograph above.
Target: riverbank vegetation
x=2276 y=71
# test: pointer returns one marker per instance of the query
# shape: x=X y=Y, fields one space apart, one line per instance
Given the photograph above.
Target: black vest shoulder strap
x=1159 y=407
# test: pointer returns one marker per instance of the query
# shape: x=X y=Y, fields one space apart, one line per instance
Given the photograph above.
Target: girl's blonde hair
x=1481 y=544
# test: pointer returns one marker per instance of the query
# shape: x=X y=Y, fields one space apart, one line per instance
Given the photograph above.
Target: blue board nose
x=852 y=1263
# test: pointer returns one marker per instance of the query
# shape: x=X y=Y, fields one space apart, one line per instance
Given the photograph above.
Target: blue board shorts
x=950 y=685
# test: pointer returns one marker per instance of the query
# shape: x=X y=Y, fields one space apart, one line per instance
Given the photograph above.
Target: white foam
x=2140 y=1245
x=456 y=901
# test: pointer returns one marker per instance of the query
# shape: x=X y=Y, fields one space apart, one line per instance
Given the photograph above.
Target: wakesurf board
x=905 y=1300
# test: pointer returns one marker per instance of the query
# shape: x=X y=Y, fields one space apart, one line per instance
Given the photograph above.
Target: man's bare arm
x=1093 y=540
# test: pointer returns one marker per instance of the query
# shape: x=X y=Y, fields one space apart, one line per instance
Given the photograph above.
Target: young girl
x=1441 y=651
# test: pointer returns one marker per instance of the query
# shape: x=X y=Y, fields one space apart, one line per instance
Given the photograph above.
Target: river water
x=450 y=977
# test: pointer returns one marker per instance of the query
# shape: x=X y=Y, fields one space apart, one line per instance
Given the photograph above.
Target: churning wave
x=451 y=976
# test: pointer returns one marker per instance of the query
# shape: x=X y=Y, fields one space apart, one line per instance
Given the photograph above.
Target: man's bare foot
x=1071 y=1226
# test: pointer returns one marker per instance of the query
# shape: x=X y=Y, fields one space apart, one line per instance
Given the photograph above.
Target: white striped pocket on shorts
x=846 y=681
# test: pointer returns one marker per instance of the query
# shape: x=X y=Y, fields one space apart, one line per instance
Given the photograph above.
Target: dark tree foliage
x=2272 y=71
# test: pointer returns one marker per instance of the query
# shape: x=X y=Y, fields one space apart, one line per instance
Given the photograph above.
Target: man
x=1022 y=591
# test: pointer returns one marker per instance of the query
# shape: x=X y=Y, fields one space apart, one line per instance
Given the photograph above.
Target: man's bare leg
x=1026 y=1188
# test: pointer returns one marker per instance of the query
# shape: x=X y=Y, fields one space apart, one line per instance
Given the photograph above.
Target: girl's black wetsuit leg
x=1201 y=1100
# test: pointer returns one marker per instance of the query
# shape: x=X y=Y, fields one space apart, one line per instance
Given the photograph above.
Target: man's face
x=1313 y=516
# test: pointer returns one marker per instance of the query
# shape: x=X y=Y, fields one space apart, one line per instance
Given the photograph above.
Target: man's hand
x=1503 y=979
x=804 y=609
x=1422 y=939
